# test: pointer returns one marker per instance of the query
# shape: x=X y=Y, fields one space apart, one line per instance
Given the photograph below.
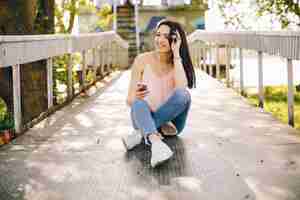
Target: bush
x=6 y=123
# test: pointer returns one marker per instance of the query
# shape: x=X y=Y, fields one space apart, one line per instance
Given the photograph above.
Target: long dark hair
x=183 y=50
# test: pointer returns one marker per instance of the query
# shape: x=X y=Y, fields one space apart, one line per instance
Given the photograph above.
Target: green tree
x=19 y=17
x=232 y=16
x=106 y=16
x=72 y=8
x=287 y=11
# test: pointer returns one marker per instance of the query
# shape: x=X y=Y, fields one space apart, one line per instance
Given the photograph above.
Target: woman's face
x=161 y=41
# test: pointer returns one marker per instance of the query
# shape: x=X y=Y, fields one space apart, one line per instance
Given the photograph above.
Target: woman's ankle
x=155 y=137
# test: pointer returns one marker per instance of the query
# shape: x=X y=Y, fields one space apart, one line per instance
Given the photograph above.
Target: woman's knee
x=182 y=95
x=139 y=103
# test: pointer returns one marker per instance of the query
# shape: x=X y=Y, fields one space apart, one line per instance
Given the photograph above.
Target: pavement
x=229 y=150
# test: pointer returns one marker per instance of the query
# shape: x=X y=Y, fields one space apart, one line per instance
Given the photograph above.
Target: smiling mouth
x=160 y=46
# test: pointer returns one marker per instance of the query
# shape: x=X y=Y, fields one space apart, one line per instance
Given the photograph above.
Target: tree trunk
x=72 y=16
x=44 y=23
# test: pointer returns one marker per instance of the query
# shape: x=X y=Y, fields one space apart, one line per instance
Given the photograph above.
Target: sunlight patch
x=84 y=120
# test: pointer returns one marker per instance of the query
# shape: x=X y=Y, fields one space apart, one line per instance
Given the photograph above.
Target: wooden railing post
x=114 y=55
x=50 y=81
x=260 y=79
x=210 y=60
x=217 y=62
x=102 y=61
x=109 y=57
x=290 y=94
x=204 y=59
x=17 y=98
x=228 y=63
x=84 y=67
x=94 y=64
x=192 y=54
x=242 y=90
x=198 y=57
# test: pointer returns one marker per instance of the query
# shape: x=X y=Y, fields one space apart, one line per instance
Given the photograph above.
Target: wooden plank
x=260 y=79
x=24 y=49
x=50 y=81
x=17 y=98
x=290 y=94
x=282 y=43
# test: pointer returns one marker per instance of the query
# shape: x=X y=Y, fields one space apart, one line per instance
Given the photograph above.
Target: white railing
x=285 y=44
x=108 y=50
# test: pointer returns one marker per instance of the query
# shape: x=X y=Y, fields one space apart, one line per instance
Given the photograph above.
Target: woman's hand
x=141 y=91
x=175 y=45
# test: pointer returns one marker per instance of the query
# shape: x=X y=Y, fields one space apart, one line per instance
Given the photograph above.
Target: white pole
x=242 y=89
x=115 y=16
x=50 y=82
x=136 y=7
x=260 y=79
x=17 y=98
x=290 y=92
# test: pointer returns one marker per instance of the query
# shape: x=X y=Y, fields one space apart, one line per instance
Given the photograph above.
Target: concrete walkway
x=229 y=150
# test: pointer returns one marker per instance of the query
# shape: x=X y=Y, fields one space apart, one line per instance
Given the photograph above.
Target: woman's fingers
x=178 y=35
x=142 y=94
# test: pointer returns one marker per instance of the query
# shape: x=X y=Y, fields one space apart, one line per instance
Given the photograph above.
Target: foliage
x=106 y=17
x=276 y=103
x=3 y=110
x=233 y=17
x=286 y=10
x=44 y=21
x=5 y=121
x=60 y=65
x=70 y=8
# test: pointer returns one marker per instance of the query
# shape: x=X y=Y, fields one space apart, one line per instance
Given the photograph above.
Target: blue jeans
x=175 y=109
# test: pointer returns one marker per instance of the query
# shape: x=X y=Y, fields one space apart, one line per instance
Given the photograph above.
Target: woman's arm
x=180 y=77
x=136 y=71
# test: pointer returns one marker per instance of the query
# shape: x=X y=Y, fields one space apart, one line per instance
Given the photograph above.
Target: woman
x=158 y=94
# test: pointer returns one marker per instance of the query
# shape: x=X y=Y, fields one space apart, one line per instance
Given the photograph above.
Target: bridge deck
x=228 y=150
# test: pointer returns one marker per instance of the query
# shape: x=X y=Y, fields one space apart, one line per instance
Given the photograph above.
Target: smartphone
x=142 y=86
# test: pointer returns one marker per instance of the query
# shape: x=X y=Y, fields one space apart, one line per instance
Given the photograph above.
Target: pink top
x=160 y=88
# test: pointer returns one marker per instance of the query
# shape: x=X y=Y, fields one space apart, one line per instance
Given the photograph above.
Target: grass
x=276 y=103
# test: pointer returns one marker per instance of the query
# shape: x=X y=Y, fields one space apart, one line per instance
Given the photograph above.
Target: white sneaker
x=169 y=129
x=132 y=140
x=160 y=152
